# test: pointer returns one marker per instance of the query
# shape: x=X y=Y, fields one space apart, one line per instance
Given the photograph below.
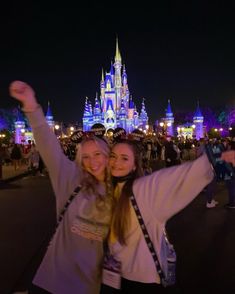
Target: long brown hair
x=121 y=213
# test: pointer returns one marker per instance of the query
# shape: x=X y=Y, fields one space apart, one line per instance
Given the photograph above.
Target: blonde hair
x=88 y=181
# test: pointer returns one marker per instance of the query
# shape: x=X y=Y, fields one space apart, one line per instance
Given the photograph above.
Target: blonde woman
x=72 y=263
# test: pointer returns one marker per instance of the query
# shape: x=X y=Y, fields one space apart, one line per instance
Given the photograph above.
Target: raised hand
x=25 y=94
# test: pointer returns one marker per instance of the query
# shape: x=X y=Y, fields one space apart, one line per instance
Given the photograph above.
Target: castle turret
x=97 y=111
x=117 y=77
x=19 y=128
x=125 y=90
x=122 y=115
x=198 y=122
x=102 y=92
x=49 y=117
x=87 y=116
x=169 y=120
x=143 y=116
x=136 y=118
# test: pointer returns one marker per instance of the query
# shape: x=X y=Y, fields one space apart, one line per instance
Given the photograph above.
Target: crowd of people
x=23 y=156
x=111 y=191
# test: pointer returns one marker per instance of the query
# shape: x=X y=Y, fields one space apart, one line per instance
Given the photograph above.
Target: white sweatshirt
x=159 y=196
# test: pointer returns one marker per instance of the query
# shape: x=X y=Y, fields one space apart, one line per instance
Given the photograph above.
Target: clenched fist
x=25 y=94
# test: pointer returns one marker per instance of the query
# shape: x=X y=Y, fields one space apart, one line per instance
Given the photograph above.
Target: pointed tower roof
x=86 y=108
x=97 y=103
x=124 y=75
x=49 y=113
x=143 y=104
x=117 y=55
x=19 y=114
x=168 y=110
x=143 y=113
x=198 y=111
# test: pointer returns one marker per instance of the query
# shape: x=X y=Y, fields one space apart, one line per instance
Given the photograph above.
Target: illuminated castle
x=115 y=107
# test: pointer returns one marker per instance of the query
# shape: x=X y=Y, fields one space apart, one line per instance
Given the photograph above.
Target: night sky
x=182 y=52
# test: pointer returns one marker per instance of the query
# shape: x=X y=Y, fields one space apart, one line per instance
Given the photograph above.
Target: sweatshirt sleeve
x=63 y=172
x=167 y=191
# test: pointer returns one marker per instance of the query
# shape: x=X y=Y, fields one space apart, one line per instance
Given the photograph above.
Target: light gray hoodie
x=73 y=261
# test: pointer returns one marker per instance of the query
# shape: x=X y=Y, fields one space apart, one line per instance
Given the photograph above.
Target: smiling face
x=94 y=160
x=121 y=160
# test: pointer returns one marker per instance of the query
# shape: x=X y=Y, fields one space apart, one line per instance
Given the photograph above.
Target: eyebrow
x=113 y=153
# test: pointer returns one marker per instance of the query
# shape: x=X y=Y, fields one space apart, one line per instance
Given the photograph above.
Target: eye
x=97 y=153
x=85 y=156
x=125 y=158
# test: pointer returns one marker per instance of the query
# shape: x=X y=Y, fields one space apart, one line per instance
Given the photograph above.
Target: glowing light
x=161 y=124
x=168 y=124
x=57 y=127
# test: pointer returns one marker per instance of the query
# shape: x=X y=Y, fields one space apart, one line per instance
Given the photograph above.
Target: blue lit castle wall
x=115 y=108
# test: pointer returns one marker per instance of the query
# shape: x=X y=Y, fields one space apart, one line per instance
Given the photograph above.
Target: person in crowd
x=159 y=196
x=171 y=153
x=72 y=263
x=16 y=156
x=210 y=189
x=33 y=157
x=230 y=177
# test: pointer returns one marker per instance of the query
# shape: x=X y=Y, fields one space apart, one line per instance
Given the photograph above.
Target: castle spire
x=117 y=55
x=48 y=110
x=198 y=122
x=168 y=110
x=49 y=117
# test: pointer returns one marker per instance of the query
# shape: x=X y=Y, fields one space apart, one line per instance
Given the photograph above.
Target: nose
x=114 y=162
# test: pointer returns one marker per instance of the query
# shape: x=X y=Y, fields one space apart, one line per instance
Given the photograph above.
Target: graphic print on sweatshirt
x=89 y=229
